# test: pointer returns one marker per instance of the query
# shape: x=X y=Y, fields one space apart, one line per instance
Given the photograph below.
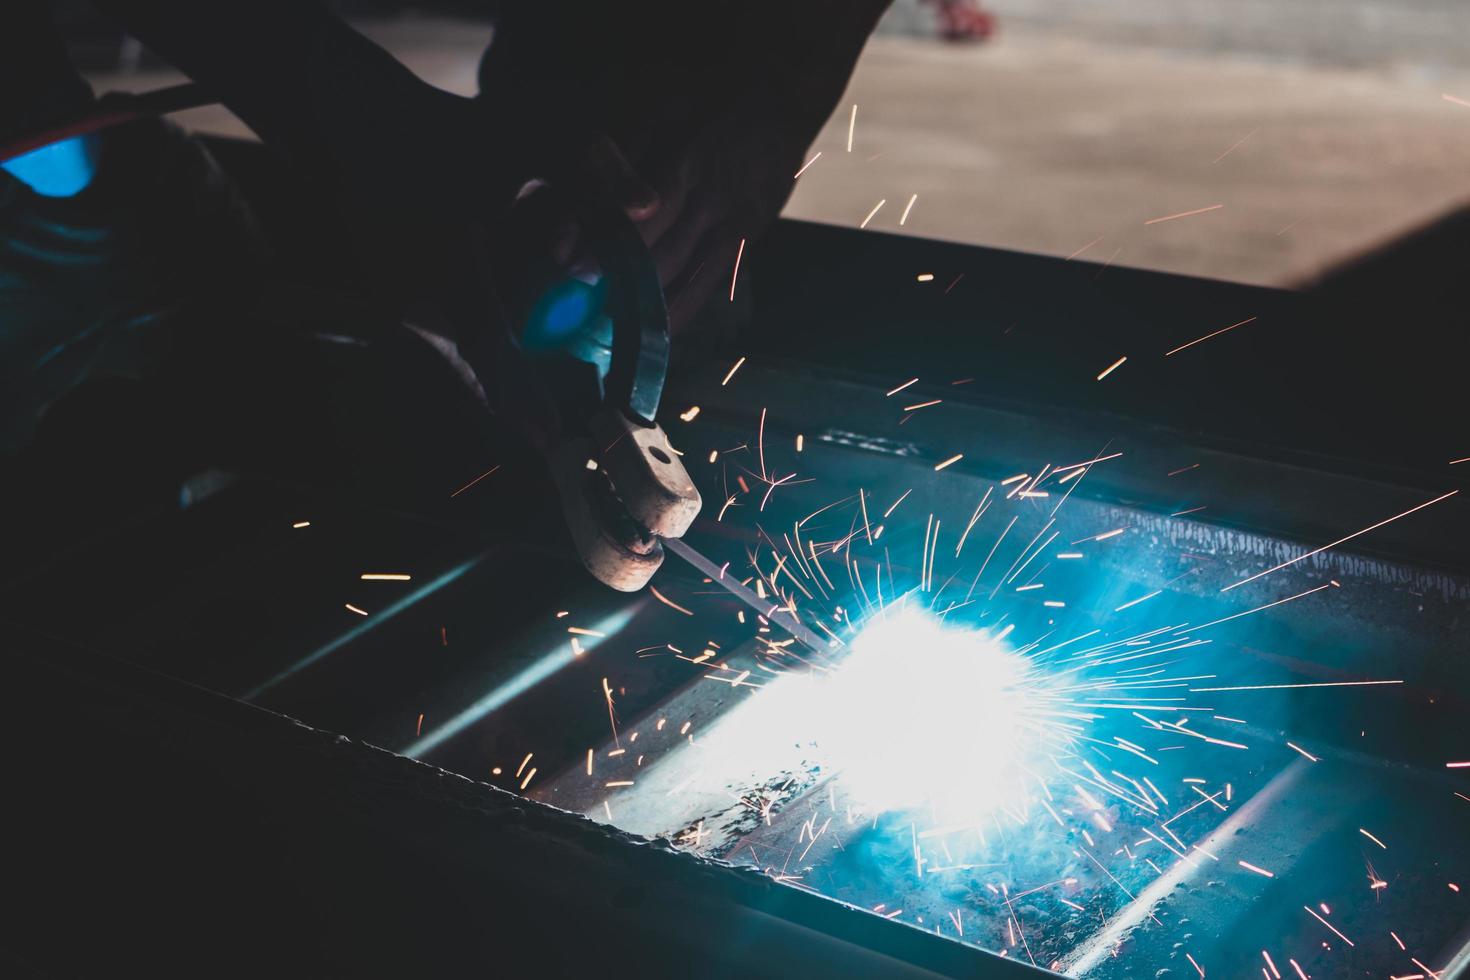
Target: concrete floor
x=1045 y=142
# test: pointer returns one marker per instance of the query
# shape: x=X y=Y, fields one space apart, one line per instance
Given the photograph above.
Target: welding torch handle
x=763 y=607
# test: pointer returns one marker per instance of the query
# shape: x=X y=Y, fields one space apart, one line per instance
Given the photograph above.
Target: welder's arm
x=283 y=66
x=420 y=172
x=715 y=103
x=731 y=174
x=349 y=112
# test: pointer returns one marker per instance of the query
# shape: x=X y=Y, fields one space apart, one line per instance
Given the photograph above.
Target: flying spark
x=731 y=373
x=873 y=212
x=1184 y=214
x=475 y=480
x=906 y=209
x=1326 y=547
x=1234 y=146
x=1249 y=319
x=740 y=253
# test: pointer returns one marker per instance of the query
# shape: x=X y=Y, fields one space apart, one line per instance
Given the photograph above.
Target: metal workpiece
x=1234 y=714
x=419 y=861
x=722 y=768
x=708 y=769
x=1325 y=683
x=1247 y=499
x=1298 y=826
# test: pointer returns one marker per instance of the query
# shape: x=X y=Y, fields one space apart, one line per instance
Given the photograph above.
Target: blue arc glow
x=61 y=169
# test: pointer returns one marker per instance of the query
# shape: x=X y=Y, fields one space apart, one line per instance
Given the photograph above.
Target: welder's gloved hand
x=428 y=181
x=715 y=104
x=419 y=169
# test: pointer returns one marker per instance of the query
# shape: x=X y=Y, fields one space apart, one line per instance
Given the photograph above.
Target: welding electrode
x=762 y=607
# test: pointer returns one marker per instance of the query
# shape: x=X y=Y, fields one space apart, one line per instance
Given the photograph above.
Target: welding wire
x=702 y=564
